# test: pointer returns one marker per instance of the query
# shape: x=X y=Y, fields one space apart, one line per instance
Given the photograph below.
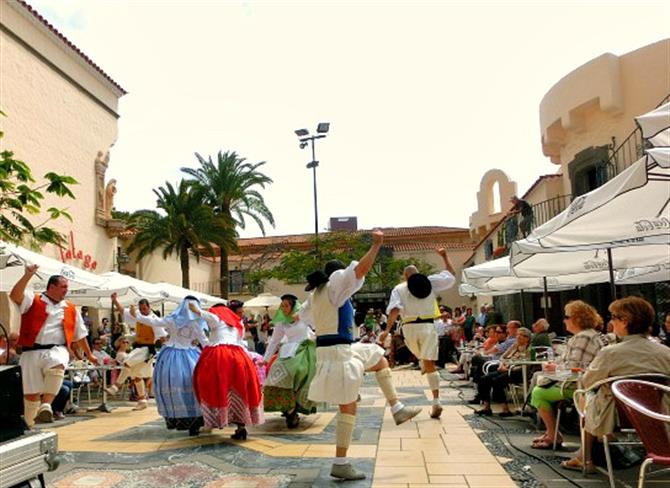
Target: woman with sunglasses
x=581 y=320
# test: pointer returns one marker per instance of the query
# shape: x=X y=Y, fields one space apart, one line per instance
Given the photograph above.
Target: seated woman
x=632 y=318
x=497 y=381
x=491 y=340
x=581 y=320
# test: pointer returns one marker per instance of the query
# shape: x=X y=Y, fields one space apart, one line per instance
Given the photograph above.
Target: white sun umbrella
x=176 y=294
x=655 y=126
x=13 y=260
x=129 y=291
x=623 y=224
x=263 y=302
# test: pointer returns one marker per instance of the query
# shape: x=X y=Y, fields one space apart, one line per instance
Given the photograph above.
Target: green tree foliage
x=185 y=226
x=232 y=188
x=346 y=246
x=21 y=198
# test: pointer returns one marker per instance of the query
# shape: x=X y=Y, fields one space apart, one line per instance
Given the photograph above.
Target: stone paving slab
x=128 y=449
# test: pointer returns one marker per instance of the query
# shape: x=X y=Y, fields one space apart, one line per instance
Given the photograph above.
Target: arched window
x=495 y=198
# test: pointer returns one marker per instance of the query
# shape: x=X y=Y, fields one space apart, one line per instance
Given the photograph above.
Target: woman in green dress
x=290 y=374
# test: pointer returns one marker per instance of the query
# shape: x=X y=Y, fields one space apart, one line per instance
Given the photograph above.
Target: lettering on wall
x=71 y=253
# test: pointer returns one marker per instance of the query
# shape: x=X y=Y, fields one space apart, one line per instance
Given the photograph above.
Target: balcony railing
x=629 y=151
x=516 y=226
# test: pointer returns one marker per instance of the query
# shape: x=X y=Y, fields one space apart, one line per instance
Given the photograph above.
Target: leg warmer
x=30 y=411
x=53 y=380
x=344 y=430
x=386 y=384
x=433 y=380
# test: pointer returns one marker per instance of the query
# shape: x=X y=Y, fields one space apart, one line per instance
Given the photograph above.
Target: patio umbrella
x=13 y=259
x=655 y=126
x=623 y=224
x=263 y=302
x=176 y=294
x=129 y=291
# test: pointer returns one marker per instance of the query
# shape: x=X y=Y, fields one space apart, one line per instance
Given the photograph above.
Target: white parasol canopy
x=629 y=215
x=13 y=260
x=655 y=126
x=128 y=289
x=264 y=301
x=176 y=294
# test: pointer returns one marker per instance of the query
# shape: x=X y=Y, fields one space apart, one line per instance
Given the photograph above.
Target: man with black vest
x=138 y=365
x=416 y=302
x=341 y=363
x=51 y=329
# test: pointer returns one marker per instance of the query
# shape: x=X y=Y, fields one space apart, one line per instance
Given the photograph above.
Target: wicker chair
x=647 y=406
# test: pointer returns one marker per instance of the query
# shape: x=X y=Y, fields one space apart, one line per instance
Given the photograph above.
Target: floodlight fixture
x=323 y=127
x=301 y=132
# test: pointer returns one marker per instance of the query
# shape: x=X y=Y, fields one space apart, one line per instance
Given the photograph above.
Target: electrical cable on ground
x=509 y=442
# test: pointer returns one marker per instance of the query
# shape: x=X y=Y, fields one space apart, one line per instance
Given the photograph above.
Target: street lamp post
x=305 y=139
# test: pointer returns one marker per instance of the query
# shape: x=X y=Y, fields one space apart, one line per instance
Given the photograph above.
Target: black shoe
x=292 y=420
x=193 y=430
x=474 y=401
x=240 y=434
x=506 y=414
x=484 y=411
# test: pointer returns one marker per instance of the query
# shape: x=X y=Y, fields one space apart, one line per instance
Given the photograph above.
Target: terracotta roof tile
x=68 y=43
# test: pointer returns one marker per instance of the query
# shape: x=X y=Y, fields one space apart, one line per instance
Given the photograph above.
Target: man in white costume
x=341 y=363
x=138 y=365
x=416 y=302
x=51 y=330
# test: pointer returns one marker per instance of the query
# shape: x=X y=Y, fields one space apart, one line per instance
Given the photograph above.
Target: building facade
x=588 y=130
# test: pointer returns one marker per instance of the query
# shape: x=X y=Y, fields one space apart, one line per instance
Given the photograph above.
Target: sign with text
x=71 y=253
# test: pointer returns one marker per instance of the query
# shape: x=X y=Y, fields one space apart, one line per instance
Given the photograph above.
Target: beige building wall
x=486 y=216
x=600 y=99
x=155 y=269
x=60 y=113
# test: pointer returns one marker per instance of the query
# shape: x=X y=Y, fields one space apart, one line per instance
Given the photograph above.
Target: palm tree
x=188 y=226
x=232 y=186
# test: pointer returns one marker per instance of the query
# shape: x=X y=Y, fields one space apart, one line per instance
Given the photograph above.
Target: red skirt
x=227 y=387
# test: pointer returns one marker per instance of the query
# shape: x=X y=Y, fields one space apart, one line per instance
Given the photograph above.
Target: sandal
x=547 y=444
x=575 y=464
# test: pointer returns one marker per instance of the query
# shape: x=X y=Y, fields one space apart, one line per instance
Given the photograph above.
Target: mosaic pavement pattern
x=128 y=449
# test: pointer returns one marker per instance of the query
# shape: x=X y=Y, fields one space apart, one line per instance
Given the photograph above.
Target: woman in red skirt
x=225 y=380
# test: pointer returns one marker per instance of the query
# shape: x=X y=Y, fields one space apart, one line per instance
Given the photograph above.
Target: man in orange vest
x=138 y=364
x=51 y=329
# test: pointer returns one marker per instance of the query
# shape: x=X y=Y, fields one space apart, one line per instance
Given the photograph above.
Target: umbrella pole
x=523 y=309
x=546 y=298
x=162 y=309
x=611 y=270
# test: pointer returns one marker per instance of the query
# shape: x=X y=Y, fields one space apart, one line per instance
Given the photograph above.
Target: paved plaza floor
x=128 y=449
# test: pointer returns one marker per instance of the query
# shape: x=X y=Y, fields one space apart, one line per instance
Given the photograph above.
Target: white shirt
x=179 y=338
x=440 y=281
x=101 y=355
x=221 y=333
x=340 y=287
x=52 y=331
x=131 y=321
x=294 y=335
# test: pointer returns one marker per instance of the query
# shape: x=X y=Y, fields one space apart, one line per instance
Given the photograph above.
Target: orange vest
x=144 y=334
x=33 y=320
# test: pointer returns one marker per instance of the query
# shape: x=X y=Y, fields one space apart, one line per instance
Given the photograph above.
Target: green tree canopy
x=295 y=265
x=185 y=226
x=21 y=197
x=231 y=187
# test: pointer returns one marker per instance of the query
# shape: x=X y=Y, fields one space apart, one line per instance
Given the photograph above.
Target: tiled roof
x=69 y=44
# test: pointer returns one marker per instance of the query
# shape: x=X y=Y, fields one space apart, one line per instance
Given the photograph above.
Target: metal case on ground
x=27 y=457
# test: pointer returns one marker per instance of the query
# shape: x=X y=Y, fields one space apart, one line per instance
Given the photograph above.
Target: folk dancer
x=176 y=360
x=225 y=380
x=340 y=363
x=138 y=364
x=50 y=329
x=290 y=374
x=415 y=300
